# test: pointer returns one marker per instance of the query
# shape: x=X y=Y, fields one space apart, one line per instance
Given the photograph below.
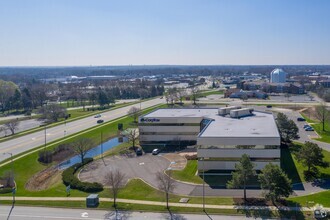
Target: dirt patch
x=44 y=179
x=310 y=113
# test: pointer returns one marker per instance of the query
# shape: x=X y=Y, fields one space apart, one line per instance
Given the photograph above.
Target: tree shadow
x=117 y=214
x=173 y=216
x=260 y=208
x=287 y=163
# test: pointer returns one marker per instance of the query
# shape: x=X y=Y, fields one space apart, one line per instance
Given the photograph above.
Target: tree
x=287 y=128
x=115 y=179
x=322 y=114
x=132 y=134
x=311 y=156
x=102 y=98
x=244 y=170
x=12 y=125
x=287 y=95
x=275 y=181
x=52 y=112
x=81 y=146
x=165 y=184
x=134 y=113
x=195 y=94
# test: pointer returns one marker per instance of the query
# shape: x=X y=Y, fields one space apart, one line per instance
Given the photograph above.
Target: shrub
x=45 y=156
x=69 y=178
x=191 y=157
x=6 y=190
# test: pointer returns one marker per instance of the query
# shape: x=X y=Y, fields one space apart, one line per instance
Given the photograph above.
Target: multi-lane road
x=35 y=213
x=30 y=141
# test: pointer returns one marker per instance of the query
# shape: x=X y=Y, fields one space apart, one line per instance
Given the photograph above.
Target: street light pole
x=203 y=185
x=101 y=144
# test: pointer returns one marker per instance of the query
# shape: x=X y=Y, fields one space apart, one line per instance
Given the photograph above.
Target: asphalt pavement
x=27 y=213
x=30 y=141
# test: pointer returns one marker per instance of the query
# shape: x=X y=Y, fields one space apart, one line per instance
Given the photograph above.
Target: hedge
x=69 y=178
x=6 y=190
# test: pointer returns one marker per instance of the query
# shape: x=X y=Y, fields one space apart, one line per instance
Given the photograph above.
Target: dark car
x=301 y=119
x=100 y=121
x=138 y=152
x=269 y=106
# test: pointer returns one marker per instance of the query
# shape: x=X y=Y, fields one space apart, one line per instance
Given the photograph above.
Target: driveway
x=305 y=135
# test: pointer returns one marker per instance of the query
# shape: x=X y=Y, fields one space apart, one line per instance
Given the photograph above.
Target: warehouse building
x=222 y=135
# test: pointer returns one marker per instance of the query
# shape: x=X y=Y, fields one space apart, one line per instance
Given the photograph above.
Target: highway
x=27 y=213
x=30 y=141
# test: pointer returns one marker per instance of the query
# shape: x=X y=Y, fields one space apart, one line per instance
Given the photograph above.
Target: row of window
x=169 y=124
x=168 y=133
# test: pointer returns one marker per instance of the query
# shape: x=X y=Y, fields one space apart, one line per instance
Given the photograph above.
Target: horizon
x=40 y=33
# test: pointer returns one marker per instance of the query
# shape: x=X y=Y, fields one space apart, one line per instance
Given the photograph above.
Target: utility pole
x=45 y=137
x=101 y=144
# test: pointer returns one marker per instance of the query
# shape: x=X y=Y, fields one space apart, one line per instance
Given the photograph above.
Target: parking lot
x=144 y=167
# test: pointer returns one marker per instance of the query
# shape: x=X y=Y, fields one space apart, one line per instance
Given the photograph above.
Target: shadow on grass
x=287 y=163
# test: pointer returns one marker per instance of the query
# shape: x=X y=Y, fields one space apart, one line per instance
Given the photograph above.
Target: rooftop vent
x=237 y=113
x=226 y=110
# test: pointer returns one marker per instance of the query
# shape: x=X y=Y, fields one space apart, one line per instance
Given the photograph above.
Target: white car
x=97 y=116
x=155 y=151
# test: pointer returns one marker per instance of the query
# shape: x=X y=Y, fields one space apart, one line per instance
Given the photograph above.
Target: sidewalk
x=144 y=202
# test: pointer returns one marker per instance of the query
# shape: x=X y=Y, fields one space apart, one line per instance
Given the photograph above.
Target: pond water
x=93 y=152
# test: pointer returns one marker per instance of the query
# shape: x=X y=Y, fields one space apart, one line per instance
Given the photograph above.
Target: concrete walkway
x=145 y=202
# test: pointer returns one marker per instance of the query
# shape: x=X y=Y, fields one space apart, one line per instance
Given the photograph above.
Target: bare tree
x=132 y=134
x=322 y=114
x=12 y=125
x=166 y=184
x=195 y=93
x=52 y=112
x=81 y=146
x=134 y=112
x=115 y=179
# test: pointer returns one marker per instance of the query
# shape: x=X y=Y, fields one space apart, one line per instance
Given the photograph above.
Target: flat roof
x=260 y=124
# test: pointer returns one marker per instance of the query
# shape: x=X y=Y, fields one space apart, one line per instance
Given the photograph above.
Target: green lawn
x=212 y=92
x=318 y=198
x=294 y=169
x=188 y=173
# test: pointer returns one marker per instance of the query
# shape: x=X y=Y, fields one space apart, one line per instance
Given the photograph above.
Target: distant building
x=278 y=76
x=325 y=83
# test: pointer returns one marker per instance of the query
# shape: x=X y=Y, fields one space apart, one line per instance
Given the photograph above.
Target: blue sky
x=138 y=32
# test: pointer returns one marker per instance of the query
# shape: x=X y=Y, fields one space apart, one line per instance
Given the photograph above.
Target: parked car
x=138 y=152
x=155 y=151
x=309 y=129
x=307 y=126
x=97 y=116
x=100 y=121
x=301 y=119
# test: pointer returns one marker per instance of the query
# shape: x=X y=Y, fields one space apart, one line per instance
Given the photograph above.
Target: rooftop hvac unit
x=226 y=110
x=237 y=113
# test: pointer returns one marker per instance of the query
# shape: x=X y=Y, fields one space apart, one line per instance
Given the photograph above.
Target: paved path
x=36 y=139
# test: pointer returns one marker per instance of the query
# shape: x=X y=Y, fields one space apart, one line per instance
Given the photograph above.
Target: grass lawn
x=318 y=198
x=212 y=92
x=188 y=173
x=294 y=169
